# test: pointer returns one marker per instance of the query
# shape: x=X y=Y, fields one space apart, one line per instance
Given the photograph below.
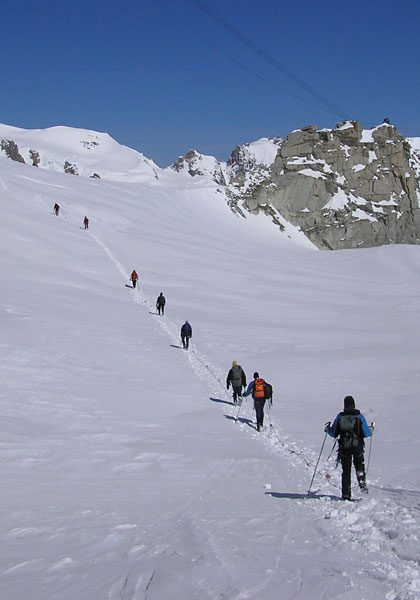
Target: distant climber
x=56 y=208
x=86 y=223
x=160 y=304
x=237 y=378
x=186 y=334
x=351 y=428
x=386 y=120
x=134 y=278
x=259 y=394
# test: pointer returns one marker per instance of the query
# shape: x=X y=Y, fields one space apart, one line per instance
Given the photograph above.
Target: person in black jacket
x=237 y=378
x=160 y=304
x=186 y=334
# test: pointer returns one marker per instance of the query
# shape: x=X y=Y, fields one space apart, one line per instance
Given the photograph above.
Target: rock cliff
x=344 y=187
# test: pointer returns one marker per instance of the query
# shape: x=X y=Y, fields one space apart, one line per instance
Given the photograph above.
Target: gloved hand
x=327 y=426
x=372 y=427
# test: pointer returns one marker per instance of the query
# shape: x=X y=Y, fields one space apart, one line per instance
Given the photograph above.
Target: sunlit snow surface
x=124 y=474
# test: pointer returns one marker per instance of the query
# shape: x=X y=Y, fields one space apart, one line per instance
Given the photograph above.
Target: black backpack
x=268 y=391
x=349 y=427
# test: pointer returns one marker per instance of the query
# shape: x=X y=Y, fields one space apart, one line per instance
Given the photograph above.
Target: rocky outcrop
x=35 y=158
x=196 y=164
x=70 y=168
x=11 y=150
x=345 y=187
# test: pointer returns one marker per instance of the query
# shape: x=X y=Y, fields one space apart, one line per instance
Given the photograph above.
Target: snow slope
x=90 y=151
x=124 y=473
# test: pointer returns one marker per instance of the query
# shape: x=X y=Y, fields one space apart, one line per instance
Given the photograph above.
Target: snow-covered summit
x=195 y=163
x=246 y=162
x=260 y=153
x=77 y=151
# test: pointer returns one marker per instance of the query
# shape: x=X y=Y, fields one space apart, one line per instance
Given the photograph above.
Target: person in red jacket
x=86 y=223
x=134 y=278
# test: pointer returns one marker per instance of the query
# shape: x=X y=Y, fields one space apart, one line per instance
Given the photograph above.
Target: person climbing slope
x=186 y=334
x=237 y=378
x=257 y=389
x=134 y=278
x=56 y=208
x=86 y=223
x=351 y=428
x=160 y=304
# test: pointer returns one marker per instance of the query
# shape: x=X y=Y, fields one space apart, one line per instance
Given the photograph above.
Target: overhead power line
x=268 y=58
x=239 y=63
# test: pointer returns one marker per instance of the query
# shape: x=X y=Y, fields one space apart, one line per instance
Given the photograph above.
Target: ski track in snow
x=374 y=524
x=383 y=525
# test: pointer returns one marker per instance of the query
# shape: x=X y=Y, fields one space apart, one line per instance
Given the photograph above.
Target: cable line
x=268 y=58
x=239 y=63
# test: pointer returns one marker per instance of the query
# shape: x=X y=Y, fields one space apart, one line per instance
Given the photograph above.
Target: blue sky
x=148 y=71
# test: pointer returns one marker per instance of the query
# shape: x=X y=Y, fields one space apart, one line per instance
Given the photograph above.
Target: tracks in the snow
x=383 y=527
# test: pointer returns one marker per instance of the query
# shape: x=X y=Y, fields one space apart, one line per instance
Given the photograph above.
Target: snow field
x=125 y=473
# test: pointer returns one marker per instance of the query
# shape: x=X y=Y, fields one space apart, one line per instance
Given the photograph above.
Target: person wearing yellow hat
x=237 y=378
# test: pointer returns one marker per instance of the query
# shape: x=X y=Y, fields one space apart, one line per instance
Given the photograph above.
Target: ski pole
x=269 y=415
x=370 y=447
x=317 y=462
x=332 y=449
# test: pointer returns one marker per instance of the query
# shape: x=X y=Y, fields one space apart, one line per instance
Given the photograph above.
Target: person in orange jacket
x=134 y=278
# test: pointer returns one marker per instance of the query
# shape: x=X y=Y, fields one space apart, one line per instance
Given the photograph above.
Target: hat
x=234 y=363
x=349 y=402
x=256 y=375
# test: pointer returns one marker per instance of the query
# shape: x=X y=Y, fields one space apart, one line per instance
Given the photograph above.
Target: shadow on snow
x=307 y=496
x=221 y=401
x=242 y=420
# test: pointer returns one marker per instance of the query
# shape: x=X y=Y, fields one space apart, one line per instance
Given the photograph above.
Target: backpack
x=268 y=391
x=259 y=392
x=236 y=377
x=349 y=427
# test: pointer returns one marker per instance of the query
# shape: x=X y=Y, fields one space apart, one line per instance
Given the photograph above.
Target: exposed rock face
x=70 y=168
x=11 y=150
x=194 y=163
x=346 y=187
x=35 y=158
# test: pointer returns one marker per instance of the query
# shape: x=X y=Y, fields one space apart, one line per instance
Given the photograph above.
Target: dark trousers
x=86 y=226
x=160 y=309
x=237 y=394
x=185 y=341
x=346 y=458
x=259 y=410
x=134 y=282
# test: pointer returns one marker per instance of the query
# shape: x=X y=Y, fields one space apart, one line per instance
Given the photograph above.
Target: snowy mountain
x=78 y=152
x=125 y=472
x=346 y=187
x=247 y=164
